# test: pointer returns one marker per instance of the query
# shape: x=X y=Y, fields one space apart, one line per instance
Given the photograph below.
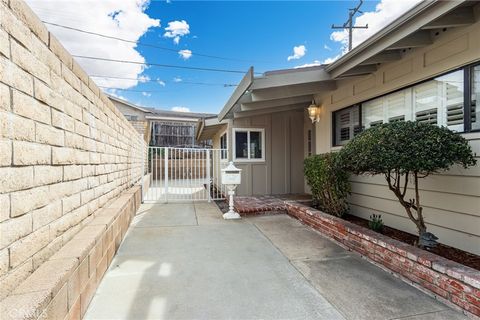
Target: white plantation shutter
x=396 y=106
x=347 y=124
x=426 y=101
x=475 y=111
x=373 y=113
x=454 y=107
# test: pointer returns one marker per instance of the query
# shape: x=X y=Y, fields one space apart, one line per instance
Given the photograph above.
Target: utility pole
x=349 y=24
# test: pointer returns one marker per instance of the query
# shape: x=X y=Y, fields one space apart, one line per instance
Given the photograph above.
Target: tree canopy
x=408 y=147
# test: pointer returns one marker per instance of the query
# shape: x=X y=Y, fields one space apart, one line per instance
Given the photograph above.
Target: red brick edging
x=449 y=281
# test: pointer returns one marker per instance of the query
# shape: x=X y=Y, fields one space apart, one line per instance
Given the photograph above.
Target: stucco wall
x=65 y=150
x=451 y=199
x=282 y=170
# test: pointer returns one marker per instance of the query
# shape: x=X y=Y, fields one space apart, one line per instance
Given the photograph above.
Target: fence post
x=209 y=183
x=166 y=174
x=142 y=175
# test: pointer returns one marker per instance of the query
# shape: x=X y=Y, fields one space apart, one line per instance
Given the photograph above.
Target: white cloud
x=176 y=30
x=313 y=64
x=181 y=109
x=298 y=52
x=385 y=12
x=161 y=82
x=124 y=19
x=185 y=54
x=327 y=47
x=146 y=94
x=143 y=78
x=318 y=62
x=331 y=59
x=177 y=79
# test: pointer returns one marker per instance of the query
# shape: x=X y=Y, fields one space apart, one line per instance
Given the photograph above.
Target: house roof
x=152 y=113
x=282 y=90
x=208 y=127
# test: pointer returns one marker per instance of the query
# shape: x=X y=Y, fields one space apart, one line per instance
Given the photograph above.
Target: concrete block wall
x=65 y=150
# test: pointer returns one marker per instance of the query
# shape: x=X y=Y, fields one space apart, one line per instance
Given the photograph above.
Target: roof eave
x=406 y=24
x=242 y=87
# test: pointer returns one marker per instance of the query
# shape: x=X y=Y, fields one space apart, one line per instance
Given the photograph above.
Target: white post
x=166 y=174
x=231 y=214
x=208 y=153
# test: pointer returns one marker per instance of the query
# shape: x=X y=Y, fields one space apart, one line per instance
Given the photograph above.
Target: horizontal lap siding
x=451 y=202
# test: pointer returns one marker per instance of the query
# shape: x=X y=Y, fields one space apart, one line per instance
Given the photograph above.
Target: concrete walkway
x=183 y=261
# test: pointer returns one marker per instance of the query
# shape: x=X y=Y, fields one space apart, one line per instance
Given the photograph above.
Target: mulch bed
x=222 y=205
x=468 y=259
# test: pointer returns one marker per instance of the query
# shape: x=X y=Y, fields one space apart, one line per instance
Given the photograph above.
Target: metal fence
x=185 y=174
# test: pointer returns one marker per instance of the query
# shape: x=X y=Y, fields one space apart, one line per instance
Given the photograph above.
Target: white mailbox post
x=231 y=178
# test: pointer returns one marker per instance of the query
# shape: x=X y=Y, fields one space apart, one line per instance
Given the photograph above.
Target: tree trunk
x=422 y=228
x=412 y=204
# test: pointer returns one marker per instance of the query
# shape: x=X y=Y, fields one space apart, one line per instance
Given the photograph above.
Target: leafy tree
x=328 y=182
x=406 y=150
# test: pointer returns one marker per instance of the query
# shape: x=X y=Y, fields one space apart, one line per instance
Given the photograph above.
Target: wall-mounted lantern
x=314 y=112
x=231 y=178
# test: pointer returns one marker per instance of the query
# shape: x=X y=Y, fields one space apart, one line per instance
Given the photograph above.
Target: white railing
x=185 y=174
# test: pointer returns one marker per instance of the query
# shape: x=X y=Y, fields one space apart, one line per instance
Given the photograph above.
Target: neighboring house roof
x=283 y=90
x=208 y=127
x=157 y=114
x=178 y=114
x=128 y=103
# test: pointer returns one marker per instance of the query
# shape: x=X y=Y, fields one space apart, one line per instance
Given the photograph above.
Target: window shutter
x=345 y=126
x=454 y=104
x=373 y=112
x=426 y=102
x=427 y=116
x=396 y=107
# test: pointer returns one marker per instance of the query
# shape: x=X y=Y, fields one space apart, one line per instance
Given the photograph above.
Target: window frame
x=467 y=100
x=234 y=147
x=225 y=133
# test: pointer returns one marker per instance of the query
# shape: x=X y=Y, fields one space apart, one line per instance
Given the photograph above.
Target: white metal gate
x=185 y=174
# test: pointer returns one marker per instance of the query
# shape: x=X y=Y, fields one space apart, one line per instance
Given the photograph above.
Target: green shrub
x=406 y=150
x=328 y=183
x=376 y=222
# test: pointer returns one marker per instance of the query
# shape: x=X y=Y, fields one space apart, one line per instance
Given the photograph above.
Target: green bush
x=406 y=150
x=328 y=183
x=376 y=223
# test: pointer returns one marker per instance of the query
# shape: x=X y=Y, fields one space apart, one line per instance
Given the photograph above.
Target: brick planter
x=450 y=282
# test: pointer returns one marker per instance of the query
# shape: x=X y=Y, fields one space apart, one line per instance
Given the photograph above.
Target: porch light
x=314 y=112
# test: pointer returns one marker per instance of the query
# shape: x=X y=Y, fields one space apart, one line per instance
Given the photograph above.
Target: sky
x=226 y=36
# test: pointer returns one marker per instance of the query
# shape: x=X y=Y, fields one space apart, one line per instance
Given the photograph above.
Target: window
x=347 y=124
x=249 y=144
x=223 y=146
x=440 y=101
x=131 y=118
x=475 y=98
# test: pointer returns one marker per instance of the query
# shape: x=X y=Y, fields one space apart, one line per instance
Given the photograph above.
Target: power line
x=131 y=90
x=158 y=81
x=139 y=43
x=159 y=65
